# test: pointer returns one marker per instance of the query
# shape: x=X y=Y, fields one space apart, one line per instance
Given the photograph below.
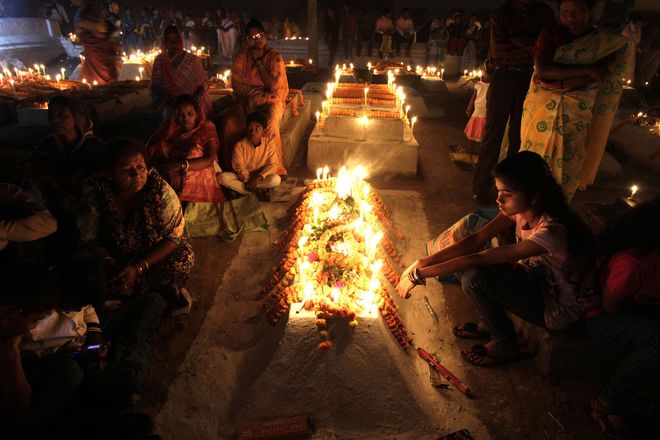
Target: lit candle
x=633 y=191
x=95 y=83
x=48 y=78
x=465 y=72
x=365 y=120
x=43 y=68
x=407 y=110
x=36 y=67
x=442 y=73
x=366 y=91
x=412 y=127
x=137 y=79
x=326 y=170
x=337 y=76
x=318 y=173
x=369 y=65
x=311 y=61
x=11 y=83
x=63 y=76
x=140 y=70
x=351 y=66
x=57 y=78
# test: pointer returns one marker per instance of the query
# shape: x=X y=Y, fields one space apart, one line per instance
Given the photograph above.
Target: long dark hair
x=637 y=229
x=528 y=173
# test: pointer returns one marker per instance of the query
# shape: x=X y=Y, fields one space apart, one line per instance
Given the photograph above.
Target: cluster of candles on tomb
x=644 y=120
x=139 y=57
x=73 y=37
x=296 y=38
x=300 y=63
x=337 y=249
x=200 y=51
x=373 y=95
x=15 y=77
x=473 y=73
x=224 y=77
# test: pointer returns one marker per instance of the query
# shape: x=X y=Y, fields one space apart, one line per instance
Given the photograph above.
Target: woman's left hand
x=127 y=277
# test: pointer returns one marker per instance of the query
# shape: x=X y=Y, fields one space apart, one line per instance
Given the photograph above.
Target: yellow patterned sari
x=569 y=128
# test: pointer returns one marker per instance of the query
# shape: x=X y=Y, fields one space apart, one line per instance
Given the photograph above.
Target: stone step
x=380 y=157
x=351 y=127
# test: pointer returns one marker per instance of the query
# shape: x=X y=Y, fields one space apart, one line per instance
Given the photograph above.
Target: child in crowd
x=185 y=150
x=628 y=320
x=537 y=278
x=254 y=161
x=476 y=126
x=476 y=109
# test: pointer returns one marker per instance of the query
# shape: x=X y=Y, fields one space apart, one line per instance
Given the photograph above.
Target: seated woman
x=184 y=150
x=134 y=220
x=578 y=69
x=177 y=72
x=259 y=81
x=254 y=161
x=64 y=162
x=537 y=278
x=628 y=320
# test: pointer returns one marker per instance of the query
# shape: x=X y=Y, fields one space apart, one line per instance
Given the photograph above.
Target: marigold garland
x=326 y=266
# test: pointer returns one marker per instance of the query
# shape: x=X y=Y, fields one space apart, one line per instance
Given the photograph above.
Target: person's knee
x=226 y=178
x=473 y=280
x=67 y=375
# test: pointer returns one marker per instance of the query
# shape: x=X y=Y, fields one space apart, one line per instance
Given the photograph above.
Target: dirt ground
x=514 y=401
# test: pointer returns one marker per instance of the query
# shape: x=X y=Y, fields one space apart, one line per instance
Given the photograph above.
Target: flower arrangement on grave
x=338 y=249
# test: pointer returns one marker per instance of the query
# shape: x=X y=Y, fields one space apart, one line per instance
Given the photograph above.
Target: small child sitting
x=254 y=161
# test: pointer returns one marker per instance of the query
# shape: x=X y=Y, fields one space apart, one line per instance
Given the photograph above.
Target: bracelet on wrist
x=185 y=165
x=416 y=278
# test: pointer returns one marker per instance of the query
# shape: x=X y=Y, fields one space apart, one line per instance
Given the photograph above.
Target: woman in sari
x=184 y=150
x=177 y=72
x=63 y=164
x=574 y=95
x=135 y=222
x=101 y=48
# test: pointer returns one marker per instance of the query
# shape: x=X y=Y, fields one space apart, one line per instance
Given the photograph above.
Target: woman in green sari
x=574 y=95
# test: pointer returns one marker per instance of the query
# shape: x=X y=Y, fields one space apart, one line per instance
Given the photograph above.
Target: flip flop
x=487 y=360
x=470 y=330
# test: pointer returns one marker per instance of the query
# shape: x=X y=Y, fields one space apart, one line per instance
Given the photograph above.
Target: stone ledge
x=380 y=157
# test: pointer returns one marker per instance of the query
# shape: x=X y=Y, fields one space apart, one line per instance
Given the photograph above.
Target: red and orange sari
x=173 y=143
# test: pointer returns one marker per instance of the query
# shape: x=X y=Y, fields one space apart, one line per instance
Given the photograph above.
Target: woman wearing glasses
x=260 y=84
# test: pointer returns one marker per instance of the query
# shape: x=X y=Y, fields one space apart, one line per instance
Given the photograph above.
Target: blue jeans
x=638 y=335
x=128 y=329
x=495 y=289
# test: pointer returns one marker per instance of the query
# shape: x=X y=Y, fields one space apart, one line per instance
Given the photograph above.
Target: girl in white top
x=476 y=109
x=537 y=278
